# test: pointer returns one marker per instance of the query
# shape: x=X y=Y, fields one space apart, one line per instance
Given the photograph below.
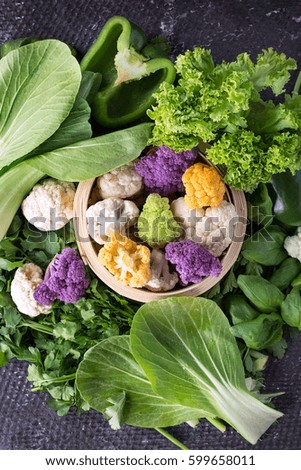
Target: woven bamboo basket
x=89 y=249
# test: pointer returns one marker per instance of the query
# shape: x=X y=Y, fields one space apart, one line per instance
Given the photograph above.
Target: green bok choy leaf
x=38 y=86
x=109 y=375
x=190 y=357
x=94 y=157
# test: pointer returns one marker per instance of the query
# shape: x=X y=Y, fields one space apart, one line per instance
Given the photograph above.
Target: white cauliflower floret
x=215 y=230
x=185 y=216
x=49 y=205
x=293 y=245
x=112 y=215
x=25 y=281
x=216 y=242
x=221 y=216
x=123 y=182
x=162 y=278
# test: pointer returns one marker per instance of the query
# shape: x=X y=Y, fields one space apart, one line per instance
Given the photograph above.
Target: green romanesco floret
x=156 y=224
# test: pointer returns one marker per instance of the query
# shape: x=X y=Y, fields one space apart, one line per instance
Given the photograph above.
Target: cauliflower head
x=49 y=205
x=112 y=215
x=156 y=224
x=192 y=261
x=204 y=186
x=65 y=279
x=293 y=245
x=123 y=182
x=25 y=281
x=163 y=279
x=162 y=169
x=185 y=216
x=215 y=230
x=126 y=260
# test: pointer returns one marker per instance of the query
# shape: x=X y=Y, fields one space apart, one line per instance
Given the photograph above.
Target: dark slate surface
x=228 y=28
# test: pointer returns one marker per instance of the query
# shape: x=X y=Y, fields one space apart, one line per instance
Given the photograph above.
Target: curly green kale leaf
x=251 y=159
x=206 y=100
x=272 y=70
x=210 y=99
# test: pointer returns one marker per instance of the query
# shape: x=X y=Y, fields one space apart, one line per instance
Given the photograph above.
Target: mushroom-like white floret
x=112 y=215
x=123 y=182
x=215 y=230
x=163 y=279
x=185 y=216
x=293 y=245
x=49 y=205
x=25 y=281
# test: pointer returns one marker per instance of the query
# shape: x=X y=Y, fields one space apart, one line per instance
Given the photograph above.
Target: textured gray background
x=228 y=28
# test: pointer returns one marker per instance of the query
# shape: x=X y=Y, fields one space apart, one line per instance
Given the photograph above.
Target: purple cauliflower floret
x=192 y=261
x=43 y=295
x=65 y=279
x=162 y=170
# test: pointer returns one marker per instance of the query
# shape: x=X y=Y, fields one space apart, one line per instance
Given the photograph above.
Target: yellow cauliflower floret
x=204 y=186
x=126 y=260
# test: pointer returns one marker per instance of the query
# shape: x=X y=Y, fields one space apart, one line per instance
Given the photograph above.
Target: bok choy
x=183 y=351
x=188 y=344
x=38 y=86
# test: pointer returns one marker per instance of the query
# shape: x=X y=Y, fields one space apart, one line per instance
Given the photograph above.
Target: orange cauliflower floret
x=204 y=186
x=127 y=261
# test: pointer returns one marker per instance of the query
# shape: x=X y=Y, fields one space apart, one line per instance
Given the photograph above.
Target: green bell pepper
x=287 y=198
x=131 y=69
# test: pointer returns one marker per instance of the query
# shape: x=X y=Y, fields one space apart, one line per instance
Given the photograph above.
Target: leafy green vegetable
x=272 y=71
x=260 y=206
x=14 y=185
x=266 y=117
x=206 y=100
x=266 y=246
x=261 y=293
x=291 y=308
x=38 y=85
x=9 y=46
x=286 y=273
x=6 y=265
x=74 y=128
x=94 y=157
x=109 y=370
x=3 y=359
x=250 y=159
x=239 y=309
x=211 y=98
x=253 y=268
x=54 y=344
x=188 y=344
x=261 y=332
x=297 y=281
x=278 y=350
